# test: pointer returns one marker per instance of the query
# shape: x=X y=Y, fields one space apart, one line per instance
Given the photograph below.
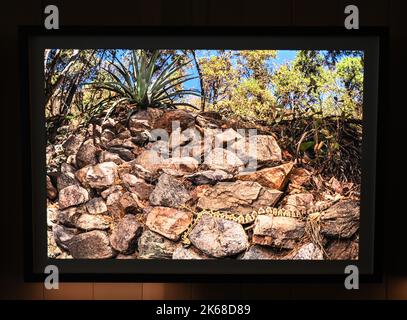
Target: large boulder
x=122 y=132
x=154 y=246
x=130 y=203
x=112 y=190
x=182 y=165
x=63 y=235
x=209 y=119
x=195 y=149
x=239 y=196
x=161 y=146
x=106 y=156
x=123 y=153
x=209 y=177
x=114 y=206
x=100 y=176
x=90 y=245
x=90 y=222
x=114 y=198
x=180 y=138
x=298 y=201
x=257 y=252
x=191 y=253
x=150 y=160
x=281 y=232
x=274 y=178
x=343 y=250
x=137 y=185
x=218 y=237
x=96 y=206
x=222 y=159
x=132 y=167
x=65 y=180
x=67 y=168
x=341 y=220
x=263 y=148
x=299 y=177
x=109 y=124
x=169 y=192
x=125 y=235
x=144 y=119
x=72 y=196
x=87 y=154
x=116 y=142
x=140 y=121
x=169 y=120
x=72 y=144
x=169 y=222
x=309 y=251
x=227 y=136
x=68 y=216
x=141 y=138
x=106 y=136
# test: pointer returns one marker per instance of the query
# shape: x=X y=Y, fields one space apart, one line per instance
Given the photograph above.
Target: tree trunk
x=203 y=97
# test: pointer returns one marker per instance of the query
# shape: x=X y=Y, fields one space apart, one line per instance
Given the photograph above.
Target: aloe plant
x=144 y=85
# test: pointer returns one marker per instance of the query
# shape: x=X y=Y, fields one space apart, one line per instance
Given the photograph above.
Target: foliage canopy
x=300 y=89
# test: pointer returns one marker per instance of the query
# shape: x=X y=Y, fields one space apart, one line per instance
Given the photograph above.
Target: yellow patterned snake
x=249 y=218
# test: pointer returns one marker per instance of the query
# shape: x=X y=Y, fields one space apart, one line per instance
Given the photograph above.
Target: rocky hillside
x=129 y=189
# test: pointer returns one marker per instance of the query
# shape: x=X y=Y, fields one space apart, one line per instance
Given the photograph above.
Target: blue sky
x=283 y=56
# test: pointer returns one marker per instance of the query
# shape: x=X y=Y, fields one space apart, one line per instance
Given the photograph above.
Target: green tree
x=65 y=70
x=218 y=75
x=349 y=72
x=238 y=82
x=306 y=85
x=256 y=64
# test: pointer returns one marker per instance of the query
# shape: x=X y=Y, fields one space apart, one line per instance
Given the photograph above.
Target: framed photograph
x=201 y=154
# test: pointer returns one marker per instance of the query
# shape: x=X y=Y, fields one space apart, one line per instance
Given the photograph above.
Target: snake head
x=186 y=242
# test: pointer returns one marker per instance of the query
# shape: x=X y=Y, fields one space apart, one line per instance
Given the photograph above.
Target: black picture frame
x=203 y=270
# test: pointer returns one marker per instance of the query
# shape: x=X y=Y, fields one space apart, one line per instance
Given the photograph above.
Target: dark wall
x=213 y=12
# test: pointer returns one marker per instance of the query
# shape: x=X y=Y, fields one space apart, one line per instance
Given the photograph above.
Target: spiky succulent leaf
x=145 y=85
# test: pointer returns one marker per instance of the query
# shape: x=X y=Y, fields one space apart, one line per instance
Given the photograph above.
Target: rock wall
x=127 y=191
